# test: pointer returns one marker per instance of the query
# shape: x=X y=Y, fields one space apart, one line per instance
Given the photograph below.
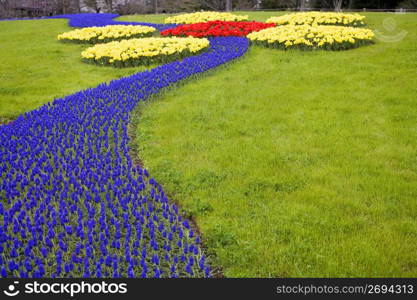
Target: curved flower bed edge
x=74 y=203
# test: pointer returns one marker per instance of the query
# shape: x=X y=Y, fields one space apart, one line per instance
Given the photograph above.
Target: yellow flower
x=288 y=43
x=312 y=36
x=318 y=18
x=106 y=33
x=138 y=49
x=206 y=16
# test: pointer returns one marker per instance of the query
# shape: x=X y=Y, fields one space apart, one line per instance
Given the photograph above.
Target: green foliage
x=408 y=4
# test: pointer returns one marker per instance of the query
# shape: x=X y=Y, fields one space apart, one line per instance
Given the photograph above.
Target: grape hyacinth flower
x=72 y=203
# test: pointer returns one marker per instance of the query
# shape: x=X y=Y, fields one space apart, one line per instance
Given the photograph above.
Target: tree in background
x=8 y=8
x=408 y=4
x=36 y=8
x=129 y=7
x=77 y=5
x=244 y=4
x=213 y=4
x=176 y=6
x=287 y=4
x=4 y=4
x=5 y=8
x=372 y=4
x=93 y=4
x=109 y=5
x=63 y=6
x=337 y=5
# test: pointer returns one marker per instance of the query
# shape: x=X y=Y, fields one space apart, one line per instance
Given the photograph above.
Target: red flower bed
x=217 y=28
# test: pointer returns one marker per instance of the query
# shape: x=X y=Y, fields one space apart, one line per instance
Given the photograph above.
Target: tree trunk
x=228 y=5
x=337 y=5
x=77 y=6
x=302 y=5
x=110 y=5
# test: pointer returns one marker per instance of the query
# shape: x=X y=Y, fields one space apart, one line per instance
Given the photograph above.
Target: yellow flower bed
x=94 y=35
x=312 y=37
x=319 y=18
x=206 y=16
x=134 y=52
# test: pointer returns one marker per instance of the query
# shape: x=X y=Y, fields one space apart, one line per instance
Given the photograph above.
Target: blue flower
x=207 y=272
x=189 y=270
x=83 y=197
x=13 y=266
x=157 y=273
x=202 y=262
x=3 y=272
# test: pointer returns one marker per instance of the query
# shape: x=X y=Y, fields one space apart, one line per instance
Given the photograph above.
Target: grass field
x=36 y=68
x=297 y=163
x=292 y=163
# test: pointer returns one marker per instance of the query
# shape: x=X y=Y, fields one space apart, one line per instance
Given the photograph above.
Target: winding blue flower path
x=72 y=204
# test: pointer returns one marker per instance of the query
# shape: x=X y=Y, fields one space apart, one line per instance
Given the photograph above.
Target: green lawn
x=292 y=163
x=35 y=68
x=297 y=163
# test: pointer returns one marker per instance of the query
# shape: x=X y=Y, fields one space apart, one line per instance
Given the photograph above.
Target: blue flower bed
x=72 y=204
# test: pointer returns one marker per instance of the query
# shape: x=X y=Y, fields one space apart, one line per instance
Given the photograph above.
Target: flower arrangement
x=206 y=16
x=319 y=18
x=144 y=51
x=312 y=37
x=94 y=35
x=74 y=205
x=216 y=28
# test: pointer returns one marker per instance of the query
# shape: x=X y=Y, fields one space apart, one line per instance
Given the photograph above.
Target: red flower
x=217 y=28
